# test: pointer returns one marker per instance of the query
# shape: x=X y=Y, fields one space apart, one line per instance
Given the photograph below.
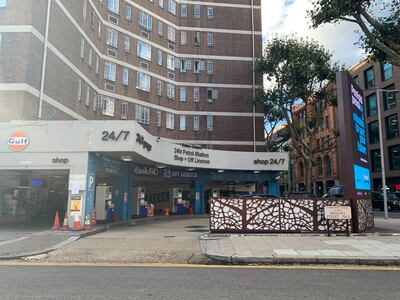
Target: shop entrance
x=33 y=195
x=106 y=197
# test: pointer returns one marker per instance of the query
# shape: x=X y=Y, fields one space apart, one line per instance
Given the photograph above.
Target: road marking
x=160 y=265
x=13 y=241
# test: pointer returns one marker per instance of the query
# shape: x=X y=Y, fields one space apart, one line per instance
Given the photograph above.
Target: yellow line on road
x=160 y=265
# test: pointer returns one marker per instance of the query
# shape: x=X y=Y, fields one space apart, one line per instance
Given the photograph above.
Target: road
x=195 y=282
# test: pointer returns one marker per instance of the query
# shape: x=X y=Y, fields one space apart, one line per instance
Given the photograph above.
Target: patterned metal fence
x=284 y=215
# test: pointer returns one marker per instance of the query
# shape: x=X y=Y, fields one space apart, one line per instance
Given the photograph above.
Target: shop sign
x=57 y=160
x=164 y=173
x=75 y=203
x=337 y=212
x=191 y=156
x=271 y=162
x=18 y=141
x=141 y=141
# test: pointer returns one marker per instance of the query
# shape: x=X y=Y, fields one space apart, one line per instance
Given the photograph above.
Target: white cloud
x=291 y=18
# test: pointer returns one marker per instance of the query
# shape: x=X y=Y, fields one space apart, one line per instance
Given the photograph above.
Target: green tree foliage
x=297 y=71
x=379 y=20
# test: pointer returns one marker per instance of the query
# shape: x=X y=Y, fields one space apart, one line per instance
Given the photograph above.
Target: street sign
x=337 y=212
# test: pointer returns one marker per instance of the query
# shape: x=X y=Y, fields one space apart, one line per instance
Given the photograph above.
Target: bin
x=143 y=211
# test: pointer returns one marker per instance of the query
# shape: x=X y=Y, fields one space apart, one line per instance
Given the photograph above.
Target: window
x=197 y=38
x=99 y=29
x=182 y=122
x=3 y=3
x=210 y=39
x=172 y=7
x=79 y=89
x=82 y=48
x=392 y=126
x=183 y=38
x=171 y=33
x=387 y=71
x=170 y=62
x=159 y=87
x=389 y=98
x=369 y=77
x=182 y=94
x=376 y=160
x=159 y=57
x=160 y=28
x=113 y=6
x=161 y=3
x=143 y=82
x=372 y=108
x=112 y=38
x=110 y=70
x=142 y=114
x=373 y=132
x=196 y=94
x=158 y=118
x=125 y=76
x=108 y=106
x=124 y=110
x=210 y=123
x=210 y=13
x=145 y=20
x=212 y=94
x=196 y=123
x=84 y=9
x=320 y=169
x=184 y=11
x=127 y=44
x=394 y=157
x=198 y=66
x=90 y=57
x=144 y=50
x=170 y=120
x=97 y=64
x=356 y=79
x=170 y=91
x=128 y=12
x=210 y=67
x=328 y=166
x=197 y=11
x=186 y=64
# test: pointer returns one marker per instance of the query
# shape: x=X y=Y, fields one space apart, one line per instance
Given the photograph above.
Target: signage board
x=337 y=212
x=18 y=141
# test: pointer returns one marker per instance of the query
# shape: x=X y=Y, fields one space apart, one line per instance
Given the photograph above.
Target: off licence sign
x=337 y=212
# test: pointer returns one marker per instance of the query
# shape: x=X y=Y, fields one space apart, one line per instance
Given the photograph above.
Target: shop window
x=392 y=126
x=328 y=165
x=372 y=108
x=389 y=98
x=394 y=157
x=373 y=132
x=387 y=71
x=376 y=160
x=369 y=77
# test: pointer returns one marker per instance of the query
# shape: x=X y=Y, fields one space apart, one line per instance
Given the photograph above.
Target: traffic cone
x=94 y=217
x=56 y=225
x=87 y=225
x=65 y=223
x=77 y=223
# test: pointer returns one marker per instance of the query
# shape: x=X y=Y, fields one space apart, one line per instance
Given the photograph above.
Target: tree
x=379 y=20
x=298 y=71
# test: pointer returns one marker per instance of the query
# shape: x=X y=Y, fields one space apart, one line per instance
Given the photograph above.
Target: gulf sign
x=18 y=141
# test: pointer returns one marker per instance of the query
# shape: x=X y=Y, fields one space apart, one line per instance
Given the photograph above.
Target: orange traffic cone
x=87 y=225
x=56 y=225
x=77 y=223
x=94 y=217
x=65 y=223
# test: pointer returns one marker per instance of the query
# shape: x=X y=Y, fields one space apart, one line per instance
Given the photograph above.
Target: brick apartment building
x=183 y=70
x=369 y=76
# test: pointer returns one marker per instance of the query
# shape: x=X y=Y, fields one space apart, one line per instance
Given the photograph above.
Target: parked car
x=335 y=192
x=257 y=196
x=393 y=201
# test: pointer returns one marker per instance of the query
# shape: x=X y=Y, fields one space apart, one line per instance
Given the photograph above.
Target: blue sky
x=290 y=16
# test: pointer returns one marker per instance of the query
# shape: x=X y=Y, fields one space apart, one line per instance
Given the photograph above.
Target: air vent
x=109 y=87
x=171 y=75
x=145 y=34
x=111 y=52
x=113 y=19
x=171 y=47
x=144 y=65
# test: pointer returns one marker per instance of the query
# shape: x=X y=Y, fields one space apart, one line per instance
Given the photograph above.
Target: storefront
x=117 y=167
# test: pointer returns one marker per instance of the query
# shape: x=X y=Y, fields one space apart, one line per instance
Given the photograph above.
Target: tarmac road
x=74 y=281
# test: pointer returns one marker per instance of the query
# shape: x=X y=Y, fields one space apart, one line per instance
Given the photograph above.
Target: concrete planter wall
x=284 y=215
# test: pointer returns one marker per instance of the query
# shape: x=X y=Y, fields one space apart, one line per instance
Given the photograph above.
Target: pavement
x=380 y=246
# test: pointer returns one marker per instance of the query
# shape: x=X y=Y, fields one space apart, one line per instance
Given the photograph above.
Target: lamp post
x=378 y=93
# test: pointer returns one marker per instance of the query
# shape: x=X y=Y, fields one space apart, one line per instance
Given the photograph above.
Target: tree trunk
x=308 y=175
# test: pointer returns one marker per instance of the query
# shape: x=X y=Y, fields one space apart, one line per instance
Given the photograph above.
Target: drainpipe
x=46 y=37
x=254 y=74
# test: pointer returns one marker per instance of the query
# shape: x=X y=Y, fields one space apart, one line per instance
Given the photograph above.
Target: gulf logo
x=18 y=141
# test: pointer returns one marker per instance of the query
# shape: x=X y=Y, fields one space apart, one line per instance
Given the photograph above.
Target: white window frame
x=210 y=13
x=184 y=11
x=170 y=121
x=182 y=94
x=127 y=43
x=125 y=76
x=160 y=28
x=171 y=91
x=90 y=58
x=113 y=6
x=143 y=50
x=171 y=62
x=196 y=122
x=196 y=94
x=110 y=70
x=79 y=89
x=184 y=38
x=143 y=82
x=197 y=11
x=210 y=67
x=84 y=9
x=87 y=96
x=161 y=3
x=142 y=114
x=124 y=110
x=112 y=37
x=82 y=53
x=108 y=106
x=210 y=39
x=159 y=57
x=171 y=33
x=197 y=38
x=182 y=122
x=97 y=65
x=172 y=7
x=159 y=87
x=210 y=123
x=128 y=12
x=145 y=20
x=158 y=118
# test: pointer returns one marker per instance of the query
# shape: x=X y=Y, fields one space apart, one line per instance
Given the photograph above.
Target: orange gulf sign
x=18 y=141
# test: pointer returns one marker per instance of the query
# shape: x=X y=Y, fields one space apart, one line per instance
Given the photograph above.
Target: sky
x=290 y=16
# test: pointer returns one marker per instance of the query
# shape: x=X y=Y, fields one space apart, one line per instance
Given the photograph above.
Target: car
x=393 y=201
x=257 y=196
x=335 y=192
